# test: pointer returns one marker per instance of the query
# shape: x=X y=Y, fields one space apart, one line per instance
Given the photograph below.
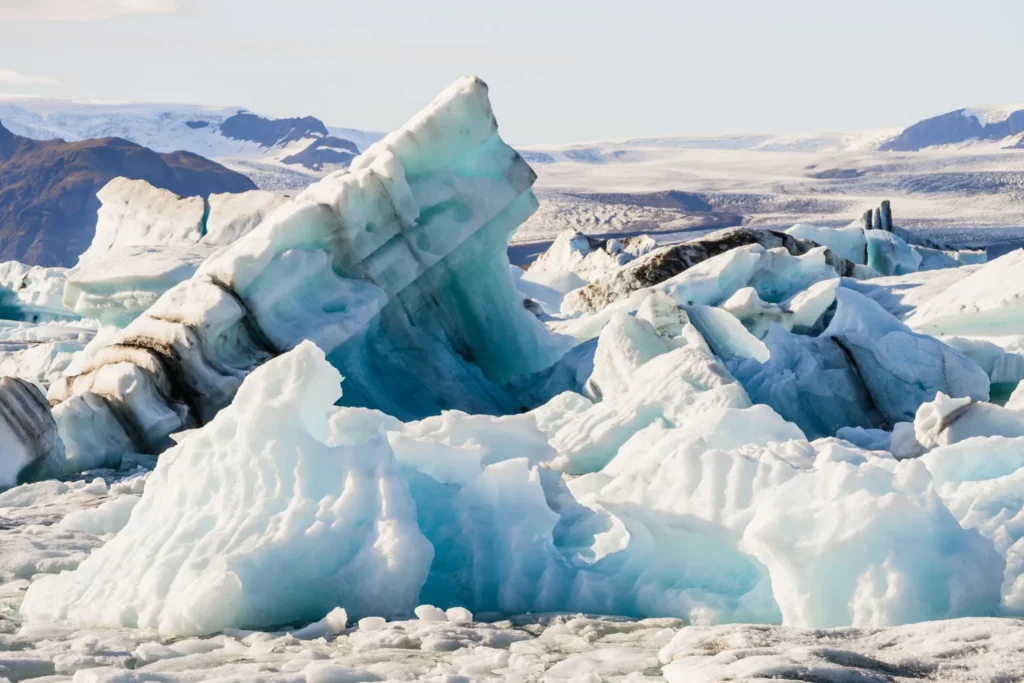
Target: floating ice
x=901 y=369
x=267 y=495
x=32 y=293
x=380 y=265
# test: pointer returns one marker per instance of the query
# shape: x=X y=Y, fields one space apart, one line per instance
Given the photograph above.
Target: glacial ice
x=379 y=265
x=757 y=436
x=348 y=507
x=269 y=494
x=32 y=293
x=148 y=240
x=900 y=369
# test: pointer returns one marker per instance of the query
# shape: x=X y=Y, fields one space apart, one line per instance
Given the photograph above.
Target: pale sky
x=559 y=70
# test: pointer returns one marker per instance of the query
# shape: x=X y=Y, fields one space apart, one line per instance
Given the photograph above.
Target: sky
x=559 y=71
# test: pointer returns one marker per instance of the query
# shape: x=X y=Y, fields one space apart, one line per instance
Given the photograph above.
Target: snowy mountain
x=275 y=153
x=993 y=123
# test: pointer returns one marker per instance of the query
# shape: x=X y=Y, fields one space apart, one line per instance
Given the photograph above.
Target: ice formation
x=379 y=265
x=270 y=494
x=149 y=240
x=32 y=293
x=378 y=517
x=357 y=402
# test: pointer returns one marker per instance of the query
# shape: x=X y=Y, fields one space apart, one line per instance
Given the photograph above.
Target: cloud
x=9 y=77
x=84 y=10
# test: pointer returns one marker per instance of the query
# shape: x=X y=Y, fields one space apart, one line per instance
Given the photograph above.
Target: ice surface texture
x=698 y=515
x=396 y=268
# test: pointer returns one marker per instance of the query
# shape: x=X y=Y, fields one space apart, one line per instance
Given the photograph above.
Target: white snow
x=993 y=113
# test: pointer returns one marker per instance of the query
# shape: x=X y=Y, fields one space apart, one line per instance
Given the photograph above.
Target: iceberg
x=698 y=514
x=269 y=494
x=33 y=294
x=149 y=239
x=379 y=265
x=900 y=368
x=31 y=447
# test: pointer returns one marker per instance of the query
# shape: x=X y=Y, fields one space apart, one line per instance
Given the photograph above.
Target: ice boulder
x=30 y=447
x=946 y=421
x=900 y=368
x=118 y=286
x=810 y=381
x=397 y=268
x=590 y=258
x=269 y=494
x=890 y=255
x=626 y=343
x=849 y=242
x=981 y=481
x=148 y=240
x=817 y=534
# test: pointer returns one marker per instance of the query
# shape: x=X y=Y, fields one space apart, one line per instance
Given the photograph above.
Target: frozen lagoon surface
x=767 y=456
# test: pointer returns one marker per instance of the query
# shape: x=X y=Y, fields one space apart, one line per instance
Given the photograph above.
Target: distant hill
x=48 y=189
x=285 y=153
x=961 y=126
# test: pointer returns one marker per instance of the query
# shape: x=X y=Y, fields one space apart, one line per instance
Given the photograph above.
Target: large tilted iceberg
x=395 y=267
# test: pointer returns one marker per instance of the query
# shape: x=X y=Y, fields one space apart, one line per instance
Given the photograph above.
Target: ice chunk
x=849 y=242
x=890 y=255
x=41 y=353
x=810 y=381
x=116 y=286
x=726 y=335
x=109 y=518
x=765 y=514
x=30 y=448
x=32 y=293
x=672 y=262
x=901 y=369
x=260 y=497
x=981 y=481
x=134 y=213
x=675 y=388
x=625 y=344
x=948 y=420
x=1002 y=359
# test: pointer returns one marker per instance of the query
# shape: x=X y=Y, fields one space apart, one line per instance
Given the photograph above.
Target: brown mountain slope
x=48 y=190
